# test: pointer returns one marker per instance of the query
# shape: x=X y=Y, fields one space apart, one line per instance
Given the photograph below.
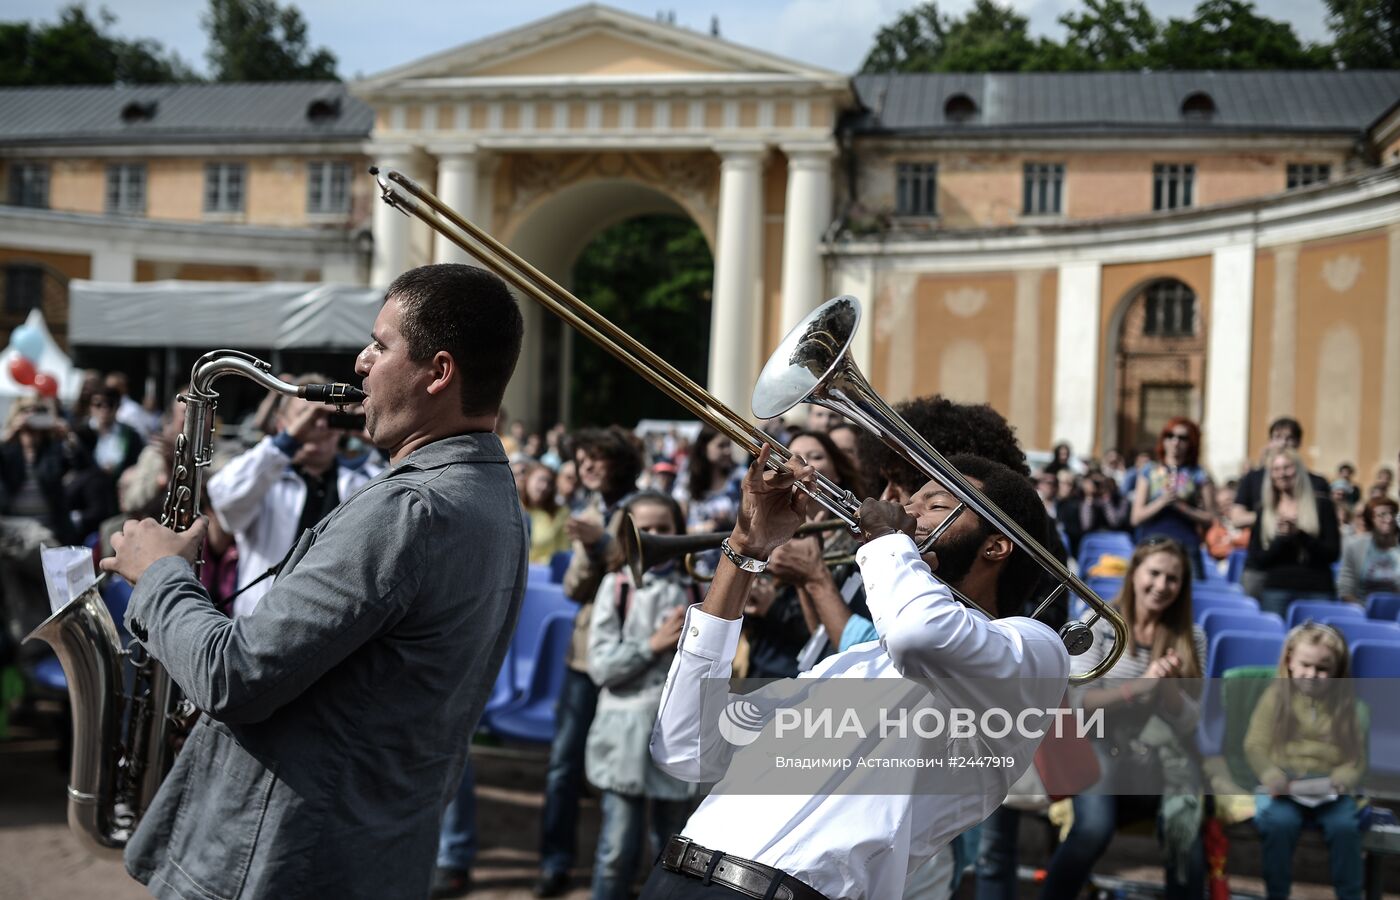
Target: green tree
x=914 y=42
x=1366 y=33
x=991 y=37
x=1110 y=35
x=256 y=40
x=79 y=50
x=652 y=276
x=1229 y=34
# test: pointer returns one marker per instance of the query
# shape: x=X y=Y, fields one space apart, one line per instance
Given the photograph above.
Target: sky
x=368 y=36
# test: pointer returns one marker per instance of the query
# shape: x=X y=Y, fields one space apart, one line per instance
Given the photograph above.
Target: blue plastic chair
x=559 y=564
x=1096 y=544
x=1371 y=658
x=1220 y=588
x=539 y=574
x=542 y=601
x=1354 y=629
x=1230 y=649
x=1220 y=619
x=1383 y=606
x=1200 y=605
x=48 y=674
x=1318 y=610
x=503 y=692
x=1234 y=566
x=1105 y=587
x=531 y=717
x=1211 y=566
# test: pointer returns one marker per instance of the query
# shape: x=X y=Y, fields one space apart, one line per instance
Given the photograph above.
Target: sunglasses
x=1176 y=435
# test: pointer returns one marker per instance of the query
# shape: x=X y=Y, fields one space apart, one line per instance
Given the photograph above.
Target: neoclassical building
x=1090 y=254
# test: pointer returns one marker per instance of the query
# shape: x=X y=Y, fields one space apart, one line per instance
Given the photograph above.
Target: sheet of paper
x=1311 y=792
x=68 y=571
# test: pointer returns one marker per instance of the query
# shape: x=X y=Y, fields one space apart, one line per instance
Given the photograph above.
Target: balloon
x=46 y=385
x=28 y=342
x=21 y=370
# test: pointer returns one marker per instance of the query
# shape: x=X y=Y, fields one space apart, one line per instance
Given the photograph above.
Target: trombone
x=812 y=365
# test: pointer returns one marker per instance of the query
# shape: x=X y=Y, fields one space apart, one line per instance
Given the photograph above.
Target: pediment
x=592 y=41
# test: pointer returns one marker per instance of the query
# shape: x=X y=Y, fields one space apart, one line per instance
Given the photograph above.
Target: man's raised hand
x=772 y=507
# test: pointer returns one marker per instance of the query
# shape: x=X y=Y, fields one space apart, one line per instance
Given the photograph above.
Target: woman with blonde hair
x=1296 y=539
x=1306 y=738
x=1150 y=705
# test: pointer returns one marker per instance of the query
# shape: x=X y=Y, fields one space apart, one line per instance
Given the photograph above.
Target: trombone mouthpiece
x=374 y=170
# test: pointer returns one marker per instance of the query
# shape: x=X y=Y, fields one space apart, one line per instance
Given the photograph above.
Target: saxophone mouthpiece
x=336 y=393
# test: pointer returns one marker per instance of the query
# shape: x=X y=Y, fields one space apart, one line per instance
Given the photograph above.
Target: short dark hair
x=1291 y=424
x=469 y=313
x=951 y=428
x=620 y=449
x=1013 y=494
x=656 y=498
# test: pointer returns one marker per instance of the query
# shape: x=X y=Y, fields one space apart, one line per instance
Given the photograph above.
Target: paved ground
x=41 y=860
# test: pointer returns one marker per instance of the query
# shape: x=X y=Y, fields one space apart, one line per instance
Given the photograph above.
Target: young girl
x=1306 y=727
x=632 y=638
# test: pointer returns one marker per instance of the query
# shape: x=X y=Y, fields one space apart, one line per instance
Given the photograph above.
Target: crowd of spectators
x=70 y=476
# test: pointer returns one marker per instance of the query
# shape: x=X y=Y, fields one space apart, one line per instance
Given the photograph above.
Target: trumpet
x=642 y=551
x=812 y=365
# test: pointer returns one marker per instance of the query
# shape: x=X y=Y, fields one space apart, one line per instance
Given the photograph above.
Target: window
x=916 y=190
x=960 y=108
x=1198 y=106
x=1304 y=174
x=24 y=288
x=1044 y=188
x=1173 y=185
x=29 y=185
x=223 y=187
x=327 y=187
x=1170 y=310
x=126 y=189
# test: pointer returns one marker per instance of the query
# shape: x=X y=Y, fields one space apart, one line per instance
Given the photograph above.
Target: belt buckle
x=685 y=845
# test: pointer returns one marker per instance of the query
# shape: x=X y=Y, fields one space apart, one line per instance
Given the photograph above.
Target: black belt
x=743 y=875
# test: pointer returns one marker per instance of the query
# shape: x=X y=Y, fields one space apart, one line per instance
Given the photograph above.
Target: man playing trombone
x=775 y=845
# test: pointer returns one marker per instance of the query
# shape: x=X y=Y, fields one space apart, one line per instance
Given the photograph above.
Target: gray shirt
x=337 y=715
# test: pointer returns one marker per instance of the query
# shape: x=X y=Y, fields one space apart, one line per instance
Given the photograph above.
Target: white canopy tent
x=211 y=315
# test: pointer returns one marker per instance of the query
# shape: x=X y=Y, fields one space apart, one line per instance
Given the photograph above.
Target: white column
x=114 y=264
x=457 y=178
x=1077 y=355
x=806 y=216
x=1389 y=413
x=1225 y=425
x=733 y=337
x=391 y=228
x=1025 y=353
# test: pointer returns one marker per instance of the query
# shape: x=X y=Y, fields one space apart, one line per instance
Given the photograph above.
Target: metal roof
x=255 y=111
x=1308 y=102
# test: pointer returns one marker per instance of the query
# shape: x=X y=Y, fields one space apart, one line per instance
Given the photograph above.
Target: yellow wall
x=981 y=188
x=1262 y=360
x=274 y=189
x=598 y=54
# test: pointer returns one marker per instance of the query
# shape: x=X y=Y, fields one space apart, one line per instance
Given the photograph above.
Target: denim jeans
x=457 y=839
x=996 y=855
x=1096 y=816
x=620 y=839
x=564 y=781
x=1280 y=821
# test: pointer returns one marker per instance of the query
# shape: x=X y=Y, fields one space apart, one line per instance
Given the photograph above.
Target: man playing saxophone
x=337 y=714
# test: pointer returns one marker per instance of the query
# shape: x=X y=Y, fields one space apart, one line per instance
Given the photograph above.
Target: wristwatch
x=744 y=563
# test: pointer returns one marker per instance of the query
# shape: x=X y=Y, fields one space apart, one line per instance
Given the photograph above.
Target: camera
x=41 y=421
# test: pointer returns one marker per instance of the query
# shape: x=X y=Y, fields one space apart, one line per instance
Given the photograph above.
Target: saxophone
x=124 y=740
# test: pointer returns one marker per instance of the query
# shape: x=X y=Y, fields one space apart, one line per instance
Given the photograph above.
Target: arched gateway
x=548 y=134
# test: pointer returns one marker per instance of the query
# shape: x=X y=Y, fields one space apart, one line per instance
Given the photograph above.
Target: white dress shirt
x=848 y=845
x=258 y=499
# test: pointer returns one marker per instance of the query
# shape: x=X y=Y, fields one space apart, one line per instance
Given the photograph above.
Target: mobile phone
x=40 y=421
x=348 y=421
